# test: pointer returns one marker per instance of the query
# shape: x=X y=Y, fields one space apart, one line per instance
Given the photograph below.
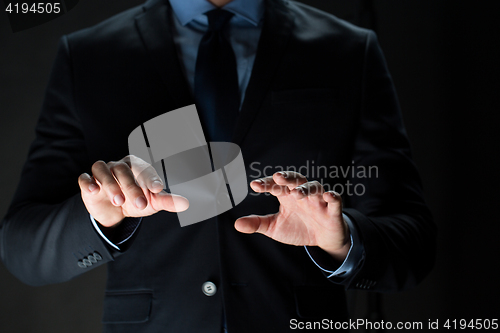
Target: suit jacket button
x=92 y=259
x=97 y=256
x=209 y=288
x=81 y=264
x=87 y=262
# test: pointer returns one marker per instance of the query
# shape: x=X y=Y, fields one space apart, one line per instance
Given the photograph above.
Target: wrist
x=340 y=250
x=108 y=221
x=108 y=229
x=339 y=254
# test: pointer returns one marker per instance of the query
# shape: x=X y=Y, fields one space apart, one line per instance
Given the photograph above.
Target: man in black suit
x=319 y=93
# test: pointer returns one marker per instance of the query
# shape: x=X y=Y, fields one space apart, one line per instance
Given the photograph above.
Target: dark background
x=443 y=56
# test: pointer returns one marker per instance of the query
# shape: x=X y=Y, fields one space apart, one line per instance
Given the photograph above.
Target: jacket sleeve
x=387 y=208
x=47 y=236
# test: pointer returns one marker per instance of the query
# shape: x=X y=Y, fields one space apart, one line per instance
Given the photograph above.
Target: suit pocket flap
x=302 y=95
x=320 y=302
x=127 y=307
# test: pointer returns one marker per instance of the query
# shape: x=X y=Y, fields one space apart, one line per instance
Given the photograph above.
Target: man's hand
x=307 y=215
x=126 y=188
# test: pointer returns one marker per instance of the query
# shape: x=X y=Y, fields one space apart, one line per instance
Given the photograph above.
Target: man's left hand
x=307 y=215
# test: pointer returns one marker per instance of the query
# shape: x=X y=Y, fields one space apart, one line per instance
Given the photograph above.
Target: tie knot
x=218 y=18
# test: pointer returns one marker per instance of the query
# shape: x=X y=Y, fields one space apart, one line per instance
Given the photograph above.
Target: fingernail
x=157 y=184
x=260 y=181
x=141 y=202
x=119 y=200
x=283 y=174
x=92 y=187
x=301 y=190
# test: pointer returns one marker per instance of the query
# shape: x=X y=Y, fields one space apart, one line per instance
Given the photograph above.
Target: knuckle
x=314 y=187
x=131 y=157
x=120 y=167
x=99 y=165
x=301 y=189
x=316 y=184
x=109 y=183
x=298 y=175
x=127 y=160
x=136 y=161
x=110 y=164
x=266 y=180
x=130 y=186
x=335 y=195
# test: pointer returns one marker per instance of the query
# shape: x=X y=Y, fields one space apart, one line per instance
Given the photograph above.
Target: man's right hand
x=129 y=187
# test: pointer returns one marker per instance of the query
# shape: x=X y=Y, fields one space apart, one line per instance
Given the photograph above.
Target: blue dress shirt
x=190 y=24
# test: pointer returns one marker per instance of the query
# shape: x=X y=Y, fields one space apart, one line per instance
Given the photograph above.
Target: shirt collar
x=249 y=10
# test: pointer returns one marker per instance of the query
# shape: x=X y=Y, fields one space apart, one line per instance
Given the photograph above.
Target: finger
x=254 y=223
x=145 y=174
x=334 y=201
x=291 y=179
x=103 y=175
x=267 y=184
x=169 y=202
x=312 y=190
x=125 y=178
x=87 y=184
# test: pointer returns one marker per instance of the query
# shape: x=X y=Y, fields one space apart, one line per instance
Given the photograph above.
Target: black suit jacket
x=320 y=94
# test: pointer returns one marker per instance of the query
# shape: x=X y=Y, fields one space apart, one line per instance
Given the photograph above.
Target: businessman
x=292 y=86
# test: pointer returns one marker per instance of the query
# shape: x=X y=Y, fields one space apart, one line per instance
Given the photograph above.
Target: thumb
x=254 y=223
x=169 y=202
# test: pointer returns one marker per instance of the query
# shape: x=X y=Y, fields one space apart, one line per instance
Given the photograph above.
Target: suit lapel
x=278 y=25
x=154 y=26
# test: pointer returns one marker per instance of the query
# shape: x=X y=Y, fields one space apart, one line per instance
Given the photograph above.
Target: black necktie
x=216 y=80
